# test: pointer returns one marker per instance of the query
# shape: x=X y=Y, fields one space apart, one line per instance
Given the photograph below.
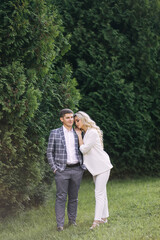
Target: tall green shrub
x=115 y=58
x=35 y=84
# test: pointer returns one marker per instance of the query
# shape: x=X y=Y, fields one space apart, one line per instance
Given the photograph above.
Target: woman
x=97 y=162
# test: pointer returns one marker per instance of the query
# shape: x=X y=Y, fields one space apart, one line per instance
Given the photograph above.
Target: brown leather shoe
x=72 y=224
x=59 y=229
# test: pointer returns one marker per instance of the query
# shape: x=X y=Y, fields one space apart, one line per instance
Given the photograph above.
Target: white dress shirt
x=70 y=146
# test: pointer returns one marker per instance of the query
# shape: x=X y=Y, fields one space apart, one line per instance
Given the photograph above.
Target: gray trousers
x=67 y=184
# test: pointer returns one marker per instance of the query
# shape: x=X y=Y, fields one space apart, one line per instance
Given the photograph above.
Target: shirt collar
x=66 y=130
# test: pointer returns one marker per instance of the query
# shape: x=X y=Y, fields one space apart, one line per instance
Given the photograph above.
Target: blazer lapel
x=62 y=137
x=76 y=141
x=78 y=153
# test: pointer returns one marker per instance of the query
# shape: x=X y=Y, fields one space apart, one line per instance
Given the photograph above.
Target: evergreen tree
x=35 y=84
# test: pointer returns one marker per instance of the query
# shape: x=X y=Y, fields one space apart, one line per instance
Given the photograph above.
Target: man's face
x=67 y=120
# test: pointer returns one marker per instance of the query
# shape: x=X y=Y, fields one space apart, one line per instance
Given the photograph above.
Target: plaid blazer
x=56 y=151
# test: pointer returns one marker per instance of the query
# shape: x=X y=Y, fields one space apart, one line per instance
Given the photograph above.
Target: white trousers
x=101 y=205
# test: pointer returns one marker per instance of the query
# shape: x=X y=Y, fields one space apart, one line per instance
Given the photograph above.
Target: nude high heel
x=95 y=224
x=104 y=220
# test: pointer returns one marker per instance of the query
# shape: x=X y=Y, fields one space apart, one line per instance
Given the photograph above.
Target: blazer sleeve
x=90 y=141
x=51 y=150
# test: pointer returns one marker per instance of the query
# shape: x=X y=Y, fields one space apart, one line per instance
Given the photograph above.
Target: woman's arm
x=90 y=140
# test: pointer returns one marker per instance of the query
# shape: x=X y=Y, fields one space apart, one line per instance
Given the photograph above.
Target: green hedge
x=115 y=58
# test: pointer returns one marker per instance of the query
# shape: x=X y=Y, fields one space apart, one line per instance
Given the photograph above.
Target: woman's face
x=78 y=122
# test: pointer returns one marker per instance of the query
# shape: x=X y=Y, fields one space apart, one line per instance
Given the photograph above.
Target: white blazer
x=95 y=158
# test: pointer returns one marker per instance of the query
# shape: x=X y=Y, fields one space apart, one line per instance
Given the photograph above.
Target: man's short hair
x=65 y=111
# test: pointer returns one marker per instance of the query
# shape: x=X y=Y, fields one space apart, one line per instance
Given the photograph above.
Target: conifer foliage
x=34 y=85
x=115 y=56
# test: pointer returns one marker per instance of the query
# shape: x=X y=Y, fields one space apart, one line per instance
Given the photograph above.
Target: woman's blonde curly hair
x=89 y=123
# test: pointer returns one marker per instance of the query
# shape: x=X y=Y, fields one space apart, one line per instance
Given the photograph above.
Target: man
x=65 y=160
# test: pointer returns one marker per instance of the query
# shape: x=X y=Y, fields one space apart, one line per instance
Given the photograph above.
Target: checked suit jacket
x=56 y=151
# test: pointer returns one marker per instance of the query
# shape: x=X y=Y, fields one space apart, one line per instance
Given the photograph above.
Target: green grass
x=134 y=215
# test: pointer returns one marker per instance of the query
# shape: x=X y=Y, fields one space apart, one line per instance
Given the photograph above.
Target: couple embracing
x=65 y=149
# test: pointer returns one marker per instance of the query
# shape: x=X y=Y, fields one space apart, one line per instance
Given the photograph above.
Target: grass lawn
x=134 y=207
